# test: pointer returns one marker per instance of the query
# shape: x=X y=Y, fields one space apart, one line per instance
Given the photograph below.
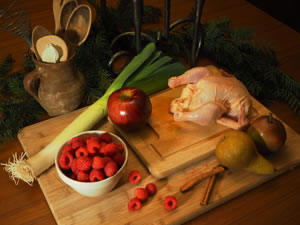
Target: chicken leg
x=205 y=115
x=191 y=76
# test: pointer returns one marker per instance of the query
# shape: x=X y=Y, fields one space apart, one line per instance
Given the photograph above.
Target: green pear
x=237 y=150
x=260 y=165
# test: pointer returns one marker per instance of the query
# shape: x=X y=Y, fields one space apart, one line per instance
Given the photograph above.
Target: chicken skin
x=211 y=96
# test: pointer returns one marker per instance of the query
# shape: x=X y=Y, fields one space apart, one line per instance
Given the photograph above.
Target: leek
x=158 y=80
x=141 y=68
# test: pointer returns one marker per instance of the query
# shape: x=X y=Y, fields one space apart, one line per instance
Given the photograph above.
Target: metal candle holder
x=138 y=6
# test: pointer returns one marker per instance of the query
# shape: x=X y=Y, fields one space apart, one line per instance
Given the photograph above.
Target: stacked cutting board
x=168 y=154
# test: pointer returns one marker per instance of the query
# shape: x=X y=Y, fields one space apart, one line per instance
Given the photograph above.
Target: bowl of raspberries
x=92 y=162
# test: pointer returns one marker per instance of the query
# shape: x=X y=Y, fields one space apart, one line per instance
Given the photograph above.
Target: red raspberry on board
x=99 y=162
x=65 y=160
x=106 y=137
x=96 y=175
x=134 y=176
x=93 y=146
x=84 y=163
x=82 y=176
x=141 y=194
x=119 y=159
x=170 y=202
x=81 y=151
x=151 y=188
x=134 y=204
x=111 y=168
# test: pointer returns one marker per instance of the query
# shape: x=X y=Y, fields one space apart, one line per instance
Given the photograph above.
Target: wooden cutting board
x=69 y=207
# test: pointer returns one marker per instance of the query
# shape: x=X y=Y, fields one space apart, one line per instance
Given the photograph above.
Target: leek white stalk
x=28 y=170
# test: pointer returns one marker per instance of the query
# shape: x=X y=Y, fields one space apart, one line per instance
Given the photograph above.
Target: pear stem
x=270 y=119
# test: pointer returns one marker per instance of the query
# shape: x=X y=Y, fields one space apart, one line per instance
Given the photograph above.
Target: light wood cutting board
x=69 y=207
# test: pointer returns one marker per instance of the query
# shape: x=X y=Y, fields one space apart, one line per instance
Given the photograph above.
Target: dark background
x=287 y=11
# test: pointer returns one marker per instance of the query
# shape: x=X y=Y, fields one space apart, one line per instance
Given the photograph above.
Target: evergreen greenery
x=234 y=49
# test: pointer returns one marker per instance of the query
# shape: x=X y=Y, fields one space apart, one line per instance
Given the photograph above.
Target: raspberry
x=134 y=204
x=87 y=137
x=141 y=194
x=76 y=142
x=107 y=159
x=111 y=168
x=67 y=148
x=119 y=159
x=74 y=168
x=102 y=145
x=99 y=162
x=93 y=146
x=96 y=175
x=81 y=151
x=73 y=176
x=120 y=148
x=82 y=176
x=106 y=137
x=134 y=176
x=151 y=188
x=65 y=160
x=110 y=149
x=170 y=202
x=84 y=163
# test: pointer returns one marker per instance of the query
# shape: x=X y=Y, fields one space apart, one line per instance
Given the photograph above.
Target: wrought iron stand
x=161 y=35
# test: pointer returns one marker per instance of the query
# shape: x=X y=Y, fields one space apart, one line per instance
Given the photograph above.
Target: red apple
x=268 y=134
x=129 y=108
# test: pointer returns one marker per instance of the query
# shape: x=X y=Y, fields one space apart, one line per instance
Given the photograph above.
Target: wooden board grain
x=69 y=207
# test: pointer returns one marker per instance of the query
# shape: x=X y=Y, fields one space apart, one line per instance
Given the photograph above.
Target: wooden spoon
x=57 y=4
x=78 y=25
x=58 y=43
x=64 y=14
x=37 y=33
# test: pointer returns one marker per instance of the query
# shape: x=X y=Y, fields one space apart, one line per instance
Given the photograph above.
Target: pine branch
x=291 y=99
x=16 y=114
x=6 y=65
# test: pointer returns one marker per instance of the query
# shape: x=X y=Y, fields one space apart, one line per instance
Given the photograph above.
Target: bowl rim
x=89 y=182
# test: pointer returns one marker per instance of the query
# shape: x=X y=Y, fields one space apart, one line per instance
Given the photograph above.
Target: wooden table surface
x=276 y=202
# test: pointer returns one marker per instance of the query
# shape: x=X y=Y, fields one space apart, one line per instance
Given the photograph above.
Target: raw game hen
x=211 y=95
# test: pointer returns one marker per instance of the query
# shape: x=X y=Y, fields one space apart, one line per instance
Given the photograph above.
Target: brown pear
x=237 y=150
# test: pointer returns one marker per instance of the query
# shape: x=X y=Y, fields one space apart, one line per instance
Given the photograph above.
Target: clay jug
x=58 y=87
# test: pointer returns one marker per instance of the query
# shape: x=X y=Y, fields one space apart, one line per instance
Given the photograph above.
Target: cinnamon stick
x=208 y=190
x=200 y=177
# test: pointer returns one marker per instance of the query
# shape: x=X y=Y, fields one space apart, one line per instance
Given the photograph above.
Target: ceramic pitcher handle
x=31 y=84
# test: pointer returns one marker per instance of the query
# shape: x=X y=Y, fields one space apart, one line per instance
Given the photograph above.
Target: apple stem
x=270 y=119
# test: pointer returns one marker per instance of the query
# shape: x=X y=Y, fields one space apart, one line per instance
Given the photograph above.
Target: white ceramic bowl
x=97 y=188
